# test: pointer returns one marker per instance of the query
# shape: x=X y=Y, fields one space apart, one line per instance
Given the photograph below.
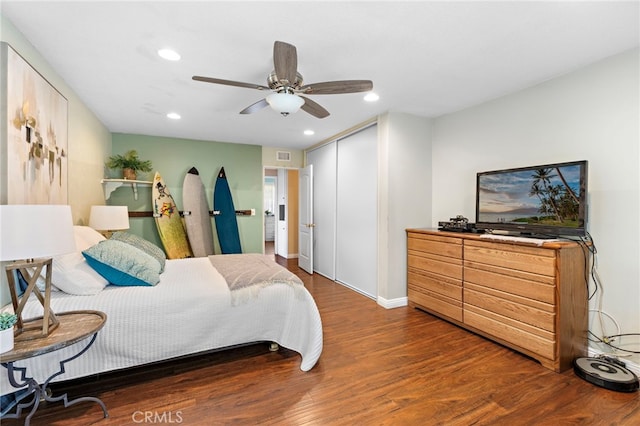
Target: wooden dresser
x=530 y=298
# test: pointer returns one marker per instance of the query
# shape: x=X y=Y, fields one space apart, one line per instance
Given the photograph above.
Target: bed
x=192 y=309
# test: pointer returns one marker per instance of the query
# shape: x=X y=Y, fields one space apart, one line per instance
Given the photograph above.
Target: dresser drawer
x=435 y=264
x=508 y=330
x=520 y=309
x=441 y=246
x=436 y=293
x=436 y=302
x=532 y=260
x=527 y=287
x=433 y=283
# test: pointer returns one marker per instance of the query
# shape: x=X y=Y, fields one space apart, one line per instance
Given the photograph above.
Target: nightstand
x=75 y=326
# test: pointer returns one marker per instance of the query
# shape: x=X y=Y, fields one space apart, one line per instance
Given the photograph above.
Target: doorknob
x=311 y=225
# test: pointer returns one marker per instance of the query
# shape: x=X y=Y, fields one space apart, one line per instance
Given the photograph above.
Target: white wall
x=591 y=114
x=404 y=197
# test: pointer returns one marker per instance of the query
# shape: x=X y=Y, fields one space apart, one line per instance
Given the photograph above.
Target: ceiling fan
x=285 y=83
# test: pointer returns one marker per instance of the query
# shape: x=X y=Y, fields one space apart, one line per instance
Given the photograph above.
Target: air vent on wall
x=283 y=156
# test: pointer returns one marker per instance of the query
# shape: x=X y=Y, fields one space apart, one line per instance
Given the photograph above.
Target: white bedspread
x=188 y=311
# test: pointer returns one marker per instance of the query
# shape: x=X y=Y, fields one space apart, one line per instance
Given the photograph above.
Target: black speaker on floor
x=606 y=373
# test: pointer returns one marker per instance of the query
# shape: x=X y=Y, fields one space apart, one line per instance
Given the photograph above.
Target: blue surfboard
x=225 y=216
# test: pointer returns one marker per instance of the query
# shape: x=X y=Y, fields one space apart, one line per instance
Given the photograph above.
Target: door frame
x=264 y=169
x=305 y=218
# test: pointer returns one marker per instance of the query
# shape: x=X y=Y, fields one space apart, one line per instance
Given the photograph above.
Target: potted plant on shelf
x=7 y=320
x=130 y=164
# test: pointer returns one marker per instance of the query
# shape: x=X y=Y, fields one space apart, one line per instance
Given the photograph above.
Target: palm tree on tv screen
x=558 y=200
x=544 y=176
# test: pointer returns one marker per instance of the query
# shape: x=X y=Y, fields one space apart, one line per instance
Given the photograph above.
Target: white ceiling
x=425 y=58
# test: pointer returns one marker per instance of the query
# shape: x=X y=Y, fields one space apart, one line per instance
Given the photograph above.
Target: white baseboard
x=392 y=303
x=631 y=366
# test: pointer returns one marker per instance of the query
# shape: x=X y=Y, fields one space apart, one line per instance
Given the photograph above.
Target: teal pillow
x=123 y=264
x=142 y=244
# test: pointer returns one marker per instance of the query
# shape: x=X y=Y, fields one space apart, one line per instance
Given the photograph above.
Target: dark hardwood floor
x=379 y=367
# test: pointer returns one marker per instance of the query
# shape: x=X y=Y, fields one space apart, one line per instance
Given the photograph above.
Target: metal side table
x=74 y=327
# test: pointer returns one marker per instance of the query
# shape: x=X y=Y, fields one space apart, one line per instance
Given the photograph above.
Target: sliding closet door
x=324 y=208
x=356 y=207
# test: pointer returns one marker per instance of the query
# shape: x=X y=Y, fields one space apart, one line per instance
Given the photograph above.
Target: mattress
x=187 y=312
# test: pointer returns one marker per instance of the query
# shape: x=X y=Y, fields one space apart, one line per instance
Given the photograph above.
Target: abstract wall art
x=34 y=135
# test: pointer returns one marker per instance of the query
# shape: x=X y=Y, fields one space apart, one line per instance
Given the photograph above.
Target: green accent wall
x=172 y=158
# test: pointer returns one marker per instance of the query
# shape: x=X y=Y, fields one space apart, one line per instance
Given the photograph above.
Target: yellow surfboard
x=167 y=218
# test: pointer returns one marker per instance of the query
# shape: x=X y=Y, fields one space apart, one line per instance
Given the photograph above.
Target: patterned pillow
x=142 y=244
x=123 y=264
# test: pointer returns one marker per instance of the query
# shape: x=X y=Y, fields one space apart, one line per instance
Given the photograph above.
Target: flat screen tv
x=538 y=201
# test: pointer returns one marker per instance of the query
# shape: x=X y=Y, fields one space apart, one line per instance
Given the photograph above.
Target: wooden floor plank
x=379 y=367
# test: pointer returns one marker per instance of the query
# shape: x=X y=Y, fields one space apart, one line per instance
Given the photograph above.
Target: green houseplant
x=130 y=164
x=7 y=320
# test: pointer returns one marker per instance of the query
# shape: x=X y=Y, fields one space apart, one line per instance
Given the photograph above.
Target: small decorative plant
x=7 y=320
x=130 y=164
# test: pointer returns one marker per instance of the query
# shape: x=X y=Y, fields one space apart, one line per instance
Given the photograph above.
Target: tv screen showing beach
x=548 y=196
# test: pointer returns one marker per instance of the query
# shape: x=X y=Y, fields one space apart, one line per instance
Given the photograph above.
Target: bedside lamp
x=107 y=219
x=29 y=236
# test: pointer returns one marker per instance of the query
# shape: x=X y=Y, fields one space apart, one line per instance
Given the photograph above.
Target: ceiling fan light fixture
x=285 y=103
x=285 y=82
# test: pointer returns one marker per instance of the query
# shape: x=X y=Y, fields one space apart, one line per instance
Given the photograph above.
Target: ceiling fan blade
x=313 y=108
x=337 y=87
x=285 y=62
x=230 y=82
x=255 y=107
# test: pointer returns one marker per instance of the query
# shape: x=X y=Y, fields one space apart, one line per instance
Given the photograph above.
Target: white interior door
x=306 y=225
x=356 y=211
x=324 y=163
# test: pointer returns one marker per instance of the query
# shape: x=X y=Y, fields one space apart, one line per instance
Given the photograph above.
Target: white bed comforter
x=187 y=312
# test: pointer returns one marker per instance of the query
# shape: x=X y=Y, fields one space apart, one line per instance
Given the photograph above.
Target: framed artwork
x=34 y=135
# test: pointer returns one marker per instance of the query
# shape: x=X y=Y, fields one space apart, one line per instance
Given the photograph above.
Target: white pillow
x=72 y=274
x=86 y=237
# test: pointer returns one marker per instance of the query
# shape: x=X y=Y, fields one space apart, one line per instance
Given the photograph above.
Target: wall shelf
x=212 y=213
x=110 y=185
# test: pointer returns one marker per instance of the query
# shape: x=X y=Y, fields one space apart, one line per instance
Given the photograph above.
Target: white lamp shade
x=109 y=218
x=285 y=103
x=35 y=230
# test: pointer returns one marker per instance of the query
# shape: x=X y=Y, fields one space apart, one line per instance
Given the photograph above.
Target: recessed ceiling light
x=169 y=55
x=309 y=132
x=371 y=97
x=174 y=116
